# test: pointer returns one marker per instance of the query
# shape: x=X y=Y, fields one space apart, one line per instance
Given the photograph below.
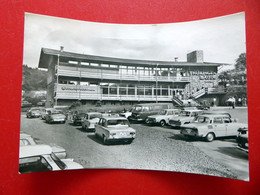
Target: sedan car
x=90 y=120
x=163 y=117
x=242 y=139
x=54 y=116
x=212 y=126
x=34 y=112
x=185 y=117
x=114 y=129
x=45 y=111
x=126 y=113
x=26 y=140
x=38 y=158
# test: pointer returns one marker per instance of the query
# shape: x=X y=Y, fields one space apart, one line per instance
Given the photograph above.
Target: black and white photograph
x=159 y=97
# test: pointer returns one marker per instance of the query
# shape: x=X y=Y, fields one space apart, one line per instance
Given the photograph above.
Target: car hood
x=58 y=116
x=180 y=118
x=71 y=164
x=194 y=125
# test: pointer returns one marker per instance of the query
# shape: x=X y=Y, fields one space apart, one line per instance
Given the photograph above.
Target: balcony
x=105 y=74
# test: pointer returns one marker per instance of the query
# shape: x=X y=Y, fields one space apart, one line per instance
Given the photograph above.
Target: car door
x=97 y=127
x=231 y=128
x=219 y=127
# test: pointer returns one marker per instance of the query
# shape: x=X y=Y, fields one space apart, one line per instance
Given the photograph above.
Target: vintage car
x=242 y=139
x=90 y=120
x=114 y=129
x=185 y=117
x=44 y=112
x=54 y=116
x=141 y=112
x=212 y=126
x=163 y=117
x=34 y=112
x=78 y=118
x=26 y=140
x=38 y=158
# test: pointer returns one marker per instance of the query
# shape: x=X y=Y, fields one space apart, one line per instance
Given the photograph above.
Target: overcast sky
x=222 y=39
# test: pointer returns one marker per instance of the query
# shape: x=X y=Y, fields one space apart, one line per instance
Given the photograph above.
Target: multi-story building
x=88 y=78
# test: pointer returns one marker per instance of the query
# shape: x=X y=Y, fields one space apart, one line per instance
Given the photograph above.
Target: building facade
x=92 y=79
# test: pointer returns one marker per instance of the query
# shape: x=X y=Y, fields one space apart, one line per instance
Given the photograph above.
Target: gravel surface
x=154 y=148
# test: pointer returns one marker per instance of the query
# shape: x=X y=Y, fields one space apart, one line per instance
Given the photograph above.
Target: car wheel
x=147 y=121
x=210 y=137
x=162 y=123
x=104 y=140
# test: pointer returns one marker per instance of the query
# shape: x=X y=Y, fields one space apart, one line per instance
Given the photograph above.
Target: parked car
x=185 y=117
x=44 y=112
x=114 y=129
x=242 y=139
x=26 y=104
x=141 y=112
x=78 y=118
x=90 y=120
x=34 y=112
x=26 y=140
x=212 y=126
x=55 y=116
x=38 y=158
x=126 y=113
x=41 y=103
x=163 y=117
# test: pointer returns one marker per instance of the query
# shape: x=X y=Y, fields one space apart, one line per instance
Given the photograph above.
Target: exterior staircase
x=177 y=101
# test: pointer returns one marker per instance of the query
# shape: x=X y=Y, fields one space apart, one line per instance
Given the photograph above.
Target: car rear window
x=114 y=122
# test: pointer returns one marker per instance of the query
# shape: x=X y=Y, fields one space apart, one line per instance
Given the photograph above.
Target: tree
x=241 y=62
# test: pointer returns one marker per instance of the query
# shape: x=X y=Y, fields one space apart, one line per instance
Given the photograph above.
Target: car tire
x=162 y=123
x=210 y=137
x=147 y=120
x=104 y=140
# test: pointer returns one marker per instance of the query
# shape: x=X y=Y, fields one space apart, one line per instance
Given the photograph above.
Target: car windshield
x=59 y=163
x=185 y=113
x=35 y=109
x=55 y=112
x=113 y=122
x=201 y=119
x=163 y=112
x=92 y=116
x=138 y=108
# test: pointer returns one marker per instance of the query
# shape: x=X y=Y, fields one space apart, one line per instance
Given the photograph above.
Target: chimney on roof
x=176 y=59
x=195 y=56
x=61 y=48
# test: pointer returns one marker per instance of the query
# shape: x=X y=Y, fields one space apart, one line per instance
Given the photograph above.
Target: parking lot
x=155 y=147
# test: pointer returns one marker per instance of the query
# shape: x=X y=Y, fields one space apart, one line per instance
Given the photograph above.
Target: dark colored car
x=242 y=139
x=34 y=112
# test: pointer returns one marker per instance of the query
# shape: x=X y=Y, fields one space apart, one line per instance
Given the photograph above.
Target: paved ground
x=154 y=148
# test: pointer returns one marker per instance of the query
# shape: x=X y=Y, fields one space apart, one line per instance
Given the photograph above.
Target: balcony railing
x=114 y=75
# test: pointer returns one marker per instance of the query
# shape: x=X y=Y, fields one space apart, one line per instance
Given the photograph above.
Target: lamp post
x=156 y=83
x=57 y=79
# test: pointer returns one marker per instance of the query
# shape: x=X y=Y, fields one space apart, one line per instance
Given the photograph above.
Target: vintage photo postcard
x=166 y=97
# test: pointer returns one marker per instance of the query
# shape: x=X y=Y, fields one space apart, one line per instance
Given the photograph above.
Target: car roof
x=34 y=150
x=113 y=118
x=24 y=135
x=214 y=115
x=217 y=113
x=192 y=110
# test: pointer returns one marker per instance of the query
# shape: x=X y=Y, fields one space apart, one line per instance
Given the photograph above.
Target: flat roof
x=47 y=55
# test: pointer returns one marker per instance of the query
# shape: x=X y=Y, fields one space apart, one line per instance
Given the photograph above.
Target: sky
x=222 y=39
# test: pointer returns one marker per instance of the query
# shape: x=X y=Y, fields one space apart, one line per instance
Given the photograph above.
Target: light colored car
x=90 y=120
x=38 y=158
x=44 y=112
x=212 y=126
x=34 y=112
x=26 y=140
x=185 y=117
x=242 y=139
x=163 y=117
x=54 y=116
x=114 y=129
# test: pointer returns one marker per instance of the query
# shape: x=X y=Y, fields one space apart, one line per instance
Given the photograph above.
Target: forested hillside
x=34 y=79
